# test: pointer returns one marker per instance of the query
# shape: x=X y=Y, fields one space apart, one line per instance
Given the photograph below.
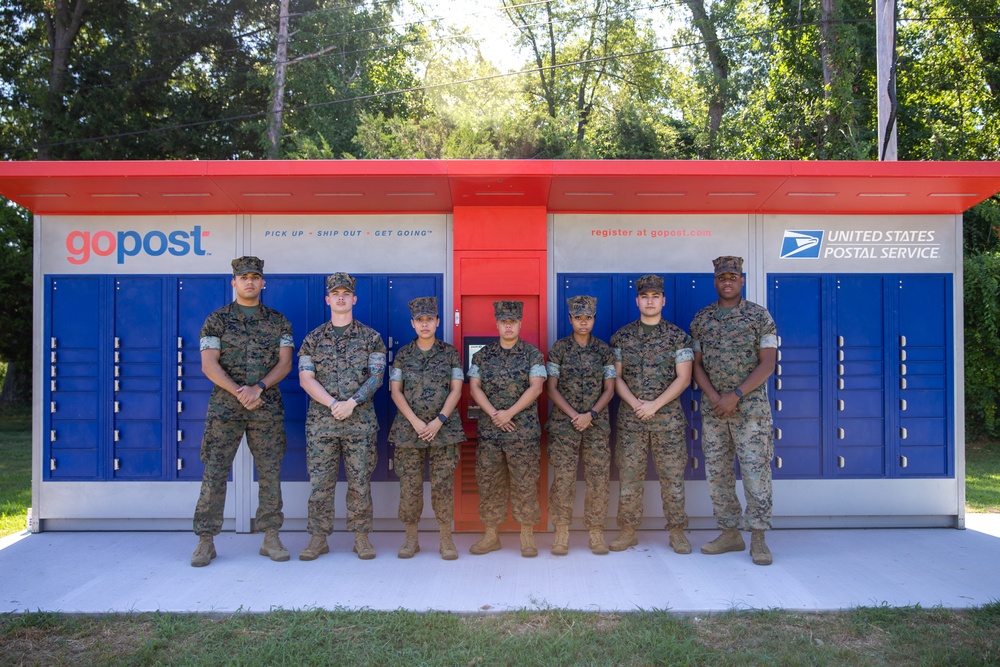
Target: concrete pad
x=813 y=570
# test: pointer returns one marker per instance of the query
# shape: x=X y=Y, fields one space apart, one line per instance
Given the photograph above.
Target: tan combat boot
x=679 y=541
x=317 y=546
x=729 y=540
x=362 y=547
x=597 y=544
x=489 y=542
x=272 y=546
x=759 y=552
x=410 y=546
x=626 y=538
x=528 y=549
x=447 y=550
x=204 y=552
x=560 y=545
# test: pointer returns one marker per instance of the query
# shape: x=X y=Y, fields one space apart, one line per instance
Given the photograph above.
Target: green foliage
x=982 y=345
x=15 y=284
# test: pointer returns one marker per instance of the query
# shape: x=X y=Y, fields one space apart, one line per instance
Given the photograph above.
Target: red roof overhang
x=438 y=186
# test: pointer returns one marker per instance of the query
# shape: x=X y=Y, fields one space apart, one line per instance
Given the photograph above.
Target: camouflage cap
x=248 y=264
x=581 y=305
x=649 y=283
x=728 y=264
x=508 y=310
x=423 y=306
x=340 y=279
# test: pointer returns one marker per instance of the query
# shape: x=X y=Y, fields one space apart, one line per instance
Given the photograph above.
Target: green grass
x=982 y=476
x=863 y=636
x=15 y=472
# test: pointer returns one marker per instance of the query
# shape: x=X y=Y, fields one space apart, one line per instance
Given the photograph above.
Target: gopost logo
x=801 y=244
x=83 y=245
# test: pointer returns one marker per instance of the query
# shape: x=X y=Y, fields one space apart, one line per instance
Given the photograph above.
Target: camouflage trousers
x=565 y=451
x=752 y=441
x=508 y=470
x=410 y=463
x=267 y=443
x=669 y=451
x=323 y=454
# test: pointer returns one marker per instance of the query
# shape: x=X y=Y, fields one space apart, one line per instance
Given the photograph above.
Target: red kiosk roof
x=438 y=186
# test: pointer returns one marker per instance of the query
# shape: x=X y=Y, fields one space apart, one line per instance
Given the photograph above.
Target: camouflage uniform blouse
x=581 y=371
x=426 y=378
x=248 y=350
x=729 y=344
x=648 y=367
x=350 y=365
x=504 y=375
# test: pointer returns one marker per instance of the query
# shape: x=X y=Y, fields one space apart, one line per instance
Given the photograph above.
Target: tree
x=15 y=303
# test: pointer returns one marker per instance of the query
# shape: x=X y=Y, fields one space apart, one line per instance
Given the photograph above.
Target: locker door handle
x=777 y=370
x=52 y=385
x=840 y=355
x=902 y=433
x=118 y=464
x=694 y=405
x=777 y=384
x=840 y=383
x=777 y=434
x=118 y=371
x=840 y=341
x=902 y=383
x=840 y=404
x=118 y=385
x=390 y=341
x=694 y=462
x=840 y=369
x=180 y=463
x=840 y=461
x=52 y=435
x=902 y=461
x=52 y=407
x=118 y=407
x=902 y=369
x=389 y=357
x=52 y=464
x=180 y=371
x=778 y=355
x=52 y=371
x=180 y=357
x=902 y=355
x=180 y=342
x=779 y=341
x=118 y=357
x=52 y=357
x=902 y=404
x=902 y=341
x=118 y=342
x=180 y=386
x=180 y=406
x=777 y=462
x=180 y=435
x=840 y=433
x=777 y=405
x=118 y=435
x=695 y=434
x=52 y=342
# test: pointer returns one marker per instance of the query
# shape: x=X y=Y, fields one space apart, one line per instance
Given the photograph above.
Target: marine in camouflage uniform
x=246 y=350
x=426 y=384
x=505 y=380
x=653 y=360
x=581 y=383
x=341 y=365
x=735 y=348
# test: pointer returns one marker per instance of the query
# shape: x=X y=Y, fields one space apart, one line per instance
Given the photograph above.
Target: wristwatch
x=739 y=394
x=593 y=413
x=262 y=385
x=442 y=417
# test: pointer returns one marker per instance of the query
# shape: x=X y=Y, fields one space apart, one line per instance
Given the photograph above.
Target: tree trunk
x=720 y=70
x=17 y=384
x=274 y=121
x=63 y=26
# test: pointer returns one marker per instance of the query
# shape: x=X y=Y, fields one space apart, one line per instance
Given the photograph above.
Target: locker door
x=74 y=356
x=694 y=292
x=196 y=297
x=923 y=365
x=797 y=384
x=400 y=290
x=859 y=424
x=300 y=299
x=139 y=378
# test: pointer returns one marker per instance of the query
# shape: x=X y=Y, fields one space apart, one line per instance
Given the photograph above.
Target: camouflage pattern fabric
x=267 y=443
x=504 y=375
x=426 y=378
x=410 y=464
x=508 y=464
x=729 y=343
x=648 y=366
x=581 y=372
x=323 y=454
x=342 y=364
x=505 y=470
x=248 y=350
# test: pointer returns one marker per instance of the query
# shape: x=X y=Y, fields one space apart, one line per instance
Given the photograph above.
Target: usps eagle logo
x=801 y=244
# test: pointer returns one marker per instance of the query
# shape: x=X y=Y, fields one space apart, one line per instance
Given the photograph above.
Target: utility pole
x=885 y=26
